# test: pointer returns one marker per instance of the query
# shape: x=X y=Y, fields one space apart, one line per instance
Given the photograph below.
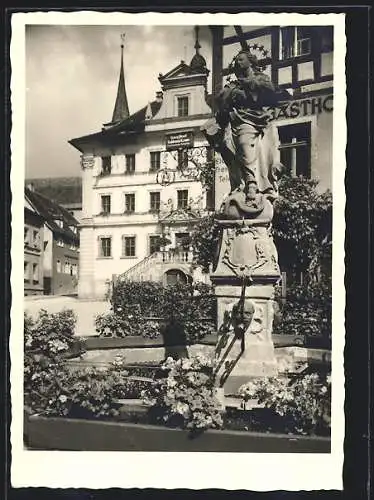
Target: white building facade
x=141 y=192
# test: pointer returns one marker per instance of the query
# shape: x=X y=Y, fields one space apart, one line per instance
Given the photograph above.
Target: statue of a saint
x=241 y=130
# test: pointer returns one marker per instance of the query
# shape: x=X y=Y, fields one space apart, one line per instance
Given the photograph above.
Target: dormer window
x=182 y=106
x=73 y=229
x=60 y=223
x=106 y=165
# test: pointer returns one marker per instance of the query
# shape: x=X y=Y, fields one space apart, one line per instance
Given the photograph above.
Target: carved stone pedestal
x=244 y=279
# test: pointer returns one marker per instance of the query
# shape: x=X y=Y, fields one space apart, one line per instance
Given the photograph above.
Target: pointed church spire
x=121 y=107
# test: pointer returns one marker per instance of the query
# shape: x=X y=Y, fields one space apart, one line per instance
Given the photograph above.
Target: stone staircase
x=151 y=268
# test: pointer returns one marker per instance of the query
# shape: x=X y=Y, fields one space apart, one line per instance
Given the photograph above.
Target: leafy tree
x=302 y=227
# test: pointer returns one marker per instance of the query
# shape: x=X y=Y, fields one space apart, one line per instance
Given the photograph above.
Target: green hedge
x=307 y=310
x=149 y=309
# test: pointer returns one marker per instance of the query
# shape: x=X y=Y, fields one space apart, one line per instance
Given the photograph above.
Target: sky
x=71 y=82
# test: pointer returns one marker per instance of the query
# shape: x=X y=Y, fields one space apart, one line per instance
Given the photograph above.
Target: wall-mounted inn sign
x=179 y=140
x=305 y=107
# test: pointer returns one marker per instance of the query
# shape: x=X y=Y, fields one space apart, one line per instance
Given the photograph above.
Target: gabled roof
x=184 y=75
x=134 y=124
x=182 y=70
x=51 y=212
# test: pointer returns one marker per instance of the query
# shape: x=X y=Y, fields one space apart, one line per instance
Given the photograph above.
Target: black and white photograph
x=180 y=182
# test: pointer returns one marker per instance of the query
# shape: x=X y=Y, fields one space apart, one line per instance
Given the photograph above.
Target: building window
x=35 y=274
x=295 y=41
x=67 y=267
x=26 y=272
x=58 y=266
x=129 y=203
x=182 y=106
x=130 y=164
x=154 y=244
x=326 y=34
x=36 y=238
x=295 y=149
x=182 y=198
x=155 y=157
x=105 y=204
x=182 y=159
x=105 y=247
x=154 y=201
x=60 y=243
x=60 y=223
x=128 y=248
x=106 y=165
x=26 y=235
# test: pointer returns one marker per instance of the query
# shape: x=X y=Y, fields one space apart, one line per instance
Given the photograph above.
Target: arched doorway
x=174 y=276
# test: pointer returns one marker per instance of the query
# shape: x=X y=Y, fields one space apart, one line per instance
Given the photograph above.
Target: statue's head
x=243 y=62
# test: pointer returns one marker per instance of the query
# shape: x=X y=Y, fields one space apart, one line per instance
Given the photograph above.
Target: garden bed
x=51 y=433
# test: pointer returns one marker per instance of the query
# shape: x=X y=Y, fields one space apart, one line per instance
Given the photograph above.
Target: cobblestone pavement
x=86 y=311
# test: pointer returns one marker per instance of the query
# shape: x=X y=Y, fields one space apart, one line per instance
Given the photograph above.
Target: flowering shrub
x=50 y=335
x=115 y=325
x=54 y=389
x=90 y=392
x=186 y=397
x=303 y=405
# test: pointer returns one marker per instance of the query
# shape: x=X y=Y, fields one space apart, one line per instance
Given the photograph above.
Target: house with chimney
x=141 y=187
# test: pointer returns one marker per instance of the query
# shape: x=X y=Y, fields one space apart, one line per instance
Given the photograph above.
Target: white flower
x=171 y=382
x=186 y=364
x=63 y=398
x=182 y=409
x=324 y=389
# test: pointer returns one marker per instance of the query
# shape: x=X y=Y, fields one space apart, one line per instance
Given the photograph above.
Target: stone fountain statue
x=247 y=267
